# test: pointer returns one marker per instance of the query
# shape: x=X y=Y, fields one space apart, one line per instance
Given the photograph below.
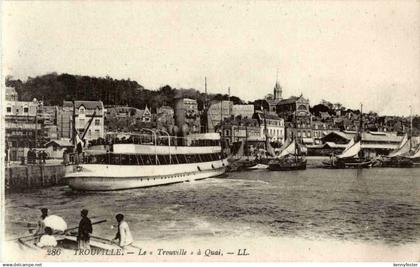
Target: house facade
x=271 y=125
x=84 y=112
x=23 y=130
x=217 y=112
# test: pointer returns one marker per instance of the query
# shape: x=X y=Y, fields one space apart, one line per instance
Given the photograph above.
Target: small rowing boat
x=68 y=242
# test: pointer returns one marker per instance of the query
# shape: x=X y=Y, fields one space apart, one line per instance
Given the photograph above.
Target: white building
x=273 y=124
x=84 y=112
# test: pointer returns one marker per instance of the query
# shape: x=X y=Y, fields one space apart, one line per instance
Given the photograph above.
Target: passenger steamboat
x=143 y=161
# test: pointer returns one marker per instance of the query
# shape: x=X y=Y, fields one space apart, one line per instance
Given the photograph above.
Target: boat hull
x=349 y=164
x=287 y=165
x=95 y=177
x=241 y=165
x=397 y=163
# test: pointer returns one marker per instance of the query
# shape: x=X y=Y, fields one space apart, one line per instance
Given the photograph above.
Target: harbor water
x=376 y=206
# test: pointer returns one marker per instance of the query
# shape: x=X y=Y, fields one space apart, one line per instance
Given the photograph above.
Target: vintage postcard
x=235 y=131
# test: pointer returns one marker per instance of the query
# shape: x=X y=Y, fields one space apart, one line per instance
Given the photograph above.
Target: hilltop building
x=246 y=111
x=187 y=117
x=277 y=97
x=217 y=112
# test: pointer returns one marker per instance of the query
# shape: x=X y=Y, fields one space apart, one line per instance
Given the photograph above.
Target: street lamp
x=169 y=143
x=154 y=134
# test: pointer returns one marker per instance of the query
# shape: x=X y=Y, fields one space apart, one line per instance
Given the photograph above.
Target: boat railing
x=111 y=158
x=155 y=137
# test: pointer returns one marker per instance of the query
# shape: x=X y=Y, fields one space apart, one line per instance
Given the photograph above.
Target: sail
x=416 y=154
x=270 y=150
x=403 y=148
x=241 y=150
x=351 y=152
x=290 y=149
x=285 y=145
x=349 y=145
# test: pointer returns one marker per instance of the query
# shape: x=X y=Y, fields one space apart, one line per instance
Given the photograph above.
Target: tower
x=277 y=89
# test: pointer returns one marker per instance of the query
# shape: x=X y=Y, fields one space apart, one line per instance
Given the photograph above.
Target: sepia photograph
x=210 y=131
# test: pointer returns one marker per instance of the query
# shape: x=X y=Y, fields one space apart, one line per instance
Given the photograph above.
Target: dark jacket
x=85 y=229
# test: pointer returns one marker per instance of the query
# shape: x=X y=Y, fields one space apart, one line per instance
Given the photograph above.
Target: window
x=8 y=109
x=25 y=109
x=97 y=122
x=97 y=134
x=82 y=110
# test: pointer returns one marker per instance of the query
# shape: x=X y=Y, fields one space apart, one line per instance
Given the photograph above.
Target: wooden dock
x=31 y=176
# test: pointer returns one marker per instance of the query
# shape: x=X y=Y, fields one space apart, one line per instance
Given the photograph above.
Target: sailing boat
x=350 y=157
x=241 y=161
x=404 y=155
x=290 y=158
x=263 y=159
x=415 y=158
x=399 y=157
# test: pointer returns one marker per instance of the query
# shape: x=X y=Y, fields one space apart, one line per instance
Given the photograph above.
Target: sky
x=342 y=51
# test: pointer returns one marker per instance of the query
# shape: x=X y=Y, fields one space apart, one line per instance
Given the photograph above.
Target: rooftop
x=85 y=103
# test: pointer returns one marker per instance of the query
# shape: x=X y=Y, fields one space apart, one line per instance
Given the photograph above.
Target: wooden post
x=10 y=176
x=42 y=175
x=28 y=177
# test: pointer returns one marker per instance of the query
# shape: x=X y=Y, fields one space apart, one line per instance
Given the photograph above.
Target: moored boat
x=404 y=156
x=68 y=242
x=415 y=157
x=240 y=161
x=134 y=164
x=290 y=158
x=398 y=158
x=287 y=164
x=349 y=158
x=352 y=156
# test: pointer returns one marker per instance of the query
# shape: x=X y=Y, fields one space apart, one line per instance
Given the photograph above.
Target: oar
x=66 y=231
x=77 y=227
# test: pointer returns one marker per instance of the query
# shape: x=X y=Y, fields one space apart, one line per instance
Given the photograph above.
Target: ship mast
x=74 y=131
x=361 y=130
x=265 y=131
x=246 y=140
x=411 y=127
x=205 y=119
x=361 y=122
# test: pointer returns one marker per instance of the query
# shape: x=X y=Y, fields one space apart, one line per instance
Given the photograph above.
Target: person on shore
x=40 y=224
x=123 y=235
x=44 y=156
x=47 y=239
x=85 y=230
x=29 y=156
x=333 y=159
